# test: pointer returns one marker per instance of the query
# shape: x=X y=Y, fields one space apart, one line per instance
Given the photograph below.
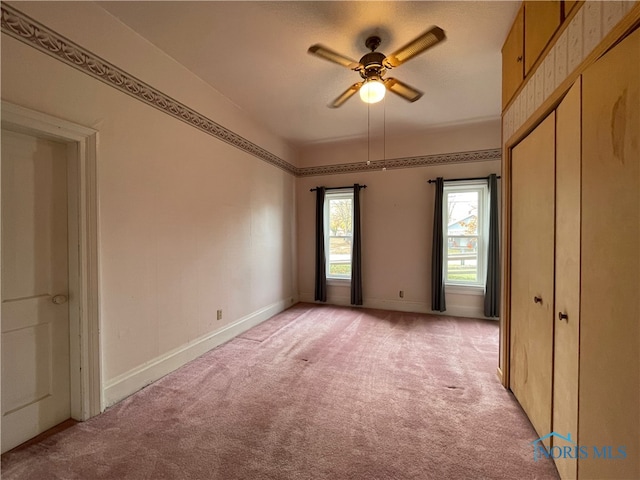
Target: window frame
x=482 y=233
x=337 y=194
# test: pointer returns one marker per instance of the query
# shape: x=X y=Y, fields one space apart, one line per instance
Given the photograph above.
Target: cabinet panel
x=568 y=6
x=567 y=301
x=541 y=20
x=610 y=279
x=512 y=59
x=532 y=265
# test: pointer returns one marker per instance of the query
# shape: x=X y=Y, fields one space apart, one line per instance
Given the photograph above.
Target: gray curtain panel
x=492 y=289
x=356 y=255
x=438 y=303
x=321 y=264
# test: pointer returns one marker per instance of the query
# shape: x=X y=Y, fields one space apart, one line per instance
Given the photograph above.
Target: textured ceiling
x=255 y=54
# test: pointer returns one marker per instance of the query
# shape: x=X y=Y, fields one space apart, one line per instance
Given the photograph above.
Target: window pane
x=340 y=226
x=340 y=255
x=340 y=216
x=462 y=259
x=462 y=236
x=462 y=213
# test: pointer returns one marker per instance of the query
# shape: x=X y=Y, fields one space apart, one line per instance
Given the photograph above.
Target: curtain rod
x=463 y=179
x=336 y=188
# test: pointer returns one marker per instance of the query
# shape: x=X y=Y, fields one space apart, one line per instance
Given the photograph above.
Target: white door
x=35 y=313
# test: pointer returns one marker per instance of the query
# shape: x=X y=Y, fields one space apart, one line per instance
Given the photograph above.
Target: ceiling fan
x=373 y=65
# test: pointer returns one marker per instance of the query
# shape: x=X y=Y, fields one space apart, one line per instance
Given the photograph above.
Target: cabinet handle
x=537 y=300
x=519 y=59
x=563 y=316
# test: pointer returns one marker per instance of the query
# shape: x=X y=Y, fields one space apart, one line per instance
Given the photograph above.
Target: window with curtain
x=465 y=232
x=338 y=233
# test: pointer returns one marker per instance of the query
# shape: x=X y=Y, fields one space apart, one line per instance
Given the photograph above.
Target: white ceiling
x=255 y=53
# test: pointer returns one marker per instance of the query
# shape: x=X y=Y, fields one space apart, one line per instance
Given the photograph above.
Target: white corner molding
x=130 y=382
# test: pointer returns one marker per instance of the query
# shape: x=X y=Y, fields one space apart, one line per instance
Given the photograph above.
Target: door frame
x=84 y=318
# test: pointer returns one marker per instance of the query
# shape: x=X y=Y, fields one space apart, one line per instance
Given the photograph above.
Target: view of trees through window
x=340 y=233
x=463 y=214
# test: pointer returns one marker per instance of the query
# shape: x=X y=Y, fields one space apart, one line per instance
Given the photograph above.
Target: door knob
x=563 y=316
x=537 y=300
x=59 y=299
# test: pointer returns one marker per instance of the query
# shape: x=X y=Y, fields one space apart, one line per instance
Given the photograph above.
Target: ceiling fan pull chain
x=384 y=135
x=368 y=134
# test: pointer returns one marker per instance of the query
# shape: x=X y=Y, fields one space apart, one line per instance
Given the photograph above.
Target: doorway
x=49 y=316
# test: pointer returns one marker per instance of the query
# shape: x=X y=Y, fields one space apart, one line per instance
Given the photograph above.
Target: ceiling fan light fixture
x=373 y=65
x=372 y=91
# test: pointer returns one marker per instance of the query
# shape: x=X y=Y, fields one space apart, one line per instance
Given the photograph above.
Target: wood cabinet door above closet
x=513 y=59
x=541 y=20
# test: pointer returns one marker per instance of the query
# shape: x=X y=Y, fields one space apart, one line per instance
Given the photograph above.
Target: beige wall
x=397 y=217
x=188 y=224
x=455 y=138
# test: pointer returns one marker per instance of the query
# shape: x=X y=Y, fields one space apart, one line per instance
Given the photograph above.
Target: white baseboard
x=421 y=307
x=130 y=382
x=462 y=311
x=402 y=306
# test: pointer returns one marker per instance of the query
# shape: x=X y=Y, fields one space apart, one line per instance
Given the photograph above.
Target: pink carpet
x=316 y=392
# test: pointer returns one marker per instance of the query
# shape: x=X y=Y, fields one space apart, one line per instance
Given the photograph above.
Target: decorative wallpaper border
x=406 y=162
x=22 y=27
x=31 y=32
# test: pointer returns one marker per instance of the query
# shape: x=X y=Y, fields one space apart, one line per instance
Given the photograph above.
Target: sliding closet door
x=567 y=301
x=610 y=300
x=532 y=269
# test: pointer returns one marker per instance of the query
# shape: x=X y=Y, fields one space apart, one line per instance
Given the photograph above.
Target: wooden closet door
x=610 y=297
x=532 y=269
x=567 y=299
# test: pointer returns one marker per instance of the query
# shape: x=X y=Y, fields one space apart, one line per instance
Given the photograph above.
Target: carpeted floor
x=316 y=392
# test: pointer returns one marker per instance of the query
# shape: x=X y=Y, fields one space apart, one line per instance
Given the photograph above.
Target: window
x=338 y=228
x=465 y=233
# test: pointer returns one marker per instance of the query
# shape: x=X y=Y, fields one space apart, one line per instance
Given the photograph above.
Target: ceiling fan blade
x=335 y=57
x=346 y=95
x=415 y=47
x=399 y=88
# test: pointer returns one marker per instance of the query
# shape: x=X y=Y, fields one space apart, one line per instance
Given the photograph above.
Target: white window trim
x=335 y=194
x=475 y=288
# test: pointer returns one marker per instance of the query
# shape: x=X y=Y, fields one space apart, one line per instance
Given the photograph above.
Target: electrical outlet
x=219 y=315
x=401 y=293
